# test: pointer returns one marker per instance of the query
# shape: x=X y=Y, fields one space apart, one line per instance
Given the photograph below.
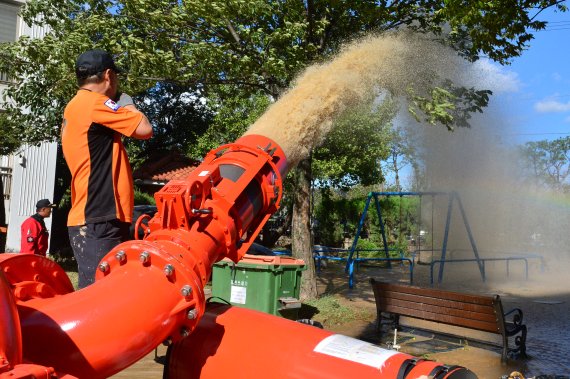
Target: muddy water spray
x=470 y=161
x=305 y=114
x=508 y=215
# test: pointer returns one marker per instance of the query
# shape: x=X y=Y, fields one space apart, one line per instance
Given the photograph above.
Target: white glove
x=125 y=100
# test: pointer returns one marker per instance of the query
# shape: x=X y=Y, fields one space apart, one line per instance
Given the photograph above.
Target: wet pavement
x=544 y=298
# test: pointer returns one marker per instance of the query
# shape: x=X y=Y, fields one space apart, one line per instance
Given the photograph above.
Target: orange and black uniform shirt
x=102 y=180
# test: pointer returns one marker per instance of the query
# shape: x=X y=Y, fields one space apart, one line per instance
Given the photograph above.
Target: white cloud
x=550 y=106
x=495 y=77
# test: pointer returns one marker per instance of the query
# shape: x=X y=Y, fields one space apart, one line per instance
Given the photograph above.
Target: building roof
x=160 y=170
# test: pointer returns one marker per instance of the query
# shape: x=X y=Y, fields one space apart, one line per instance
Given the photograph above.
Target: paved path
x=145 y=368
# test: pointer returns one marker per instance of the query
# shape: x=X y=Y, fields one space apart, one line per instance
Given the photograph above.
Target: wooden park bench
x=481 y=313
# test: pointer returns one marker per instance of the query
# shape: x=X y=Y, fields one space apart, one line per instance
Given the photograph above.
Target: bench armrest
x=517 y=318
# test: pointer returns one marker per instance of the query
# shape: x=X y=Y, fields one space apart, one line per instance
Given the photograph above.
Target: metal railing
x=353 y=263
x=481 y=262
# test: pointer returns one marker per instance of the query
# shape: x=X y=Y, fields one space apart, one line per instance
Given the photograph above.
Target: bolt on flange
x=144 y=257
x=121 y=256
x=104 y=266
x=192 y=314
x=186 y=290
x=168 y=270
x=184 y=332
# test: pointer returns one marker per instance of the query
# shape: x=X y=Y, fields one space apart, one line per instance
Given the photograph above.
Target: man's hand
x=125 y=100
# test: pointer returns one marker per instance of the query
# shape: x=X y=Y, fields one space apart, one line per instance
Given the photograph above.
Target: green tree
x=352 y=151
x=251 y=46
x=232 y=116
x=547 y=163
x=400 y=155
x=179 y=117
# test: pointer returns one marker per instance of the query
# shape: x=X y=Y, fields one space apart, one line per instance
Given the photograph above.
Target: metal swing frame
x=453 y=197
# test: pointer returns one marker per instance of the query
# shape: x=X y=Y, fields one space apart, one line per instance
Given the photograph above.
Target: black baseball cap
x=45 y=203
x=93 y=62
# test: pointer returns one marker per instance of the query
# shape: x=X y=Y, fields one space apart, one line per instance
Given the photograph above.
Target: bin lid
x=277 y=260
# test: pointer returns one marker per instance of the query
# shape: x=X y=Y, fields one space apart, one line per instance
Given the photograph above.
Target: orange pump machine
x=146 y=291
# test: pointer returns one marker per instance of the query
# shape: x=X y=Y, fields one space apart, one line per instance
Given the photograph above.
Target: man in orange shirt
x=102 y=197
x=34 y=234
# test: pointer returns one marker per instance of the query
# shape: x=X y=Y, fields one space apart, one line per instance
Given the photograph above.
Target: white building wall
x=33 y=179
x=33 y=31
x=32 y=168
x=6 y=167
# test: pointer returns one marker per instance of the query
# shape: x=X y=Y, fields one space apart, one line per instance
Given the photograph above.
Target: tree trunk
x=302 y=243
x=396 y=172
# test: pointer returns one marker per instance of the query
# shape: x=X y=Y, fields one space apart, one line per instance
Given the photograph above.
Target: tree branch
x=233 y=32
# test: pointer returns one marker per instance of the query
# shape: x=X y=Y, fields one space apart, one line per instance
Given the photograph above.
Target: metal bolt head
x=184 y=332
x=104 y=266
x=168 y=270
x=120 y=256
x=192 y=314
x=186 y=290
x=144 y=257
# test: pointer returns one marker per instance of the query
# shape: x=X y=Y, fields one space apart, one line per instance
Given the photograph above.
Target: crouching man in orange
x=35 y=235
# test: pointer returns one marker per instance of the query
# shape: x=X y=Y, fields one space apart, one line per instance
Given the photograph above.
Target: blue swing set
x=353 y=258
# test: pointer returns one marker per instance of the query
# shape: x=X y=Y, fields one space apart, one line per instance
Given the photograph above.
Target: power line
x=551 y=29
x=531 y=134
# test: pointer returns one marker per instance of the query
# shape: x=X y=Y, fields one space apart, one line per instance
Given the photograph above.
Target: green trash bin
x=270 y=284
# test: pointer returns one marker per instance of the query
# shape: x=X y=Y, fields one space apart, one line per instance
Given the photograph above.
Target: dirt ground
x=544 y=298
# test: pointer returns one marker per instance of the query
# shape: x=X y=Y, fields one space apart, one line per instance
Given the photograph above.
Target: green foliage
x=337 y=216
x=352 y=150
x=233 y=115
x=448 y=105
x=499 y=29
x=369 y=248
x=143 y=198
x=10 y=141
x=236 y=47
x=547 y=163
x=179 y=117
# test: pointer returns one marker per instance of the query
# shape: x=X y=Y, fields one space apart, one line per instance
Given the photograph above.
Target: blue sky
x=533 y=93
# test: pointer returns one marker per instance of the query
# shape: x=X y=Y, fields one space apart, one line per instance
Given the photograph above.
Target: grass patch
x=74 y=277
x=330 y=311
x=69 y=265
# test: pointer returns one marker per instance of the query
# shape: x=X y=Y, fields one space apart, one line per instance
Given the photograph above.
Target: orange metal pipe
x=242 y=343
x=10 y=337
x=150 y=291
x=11 y=362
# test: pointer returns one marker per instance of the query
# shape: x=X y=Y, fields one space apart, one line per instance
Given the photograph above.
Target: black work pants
x=91 y=242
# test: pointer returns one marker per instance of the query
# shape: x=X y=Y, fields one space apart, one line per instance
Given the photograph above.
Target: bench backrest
x=452 y=308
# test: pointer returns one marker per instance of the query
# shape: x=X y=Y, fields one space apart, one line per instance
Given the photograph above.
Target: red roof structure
x=157 y=172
